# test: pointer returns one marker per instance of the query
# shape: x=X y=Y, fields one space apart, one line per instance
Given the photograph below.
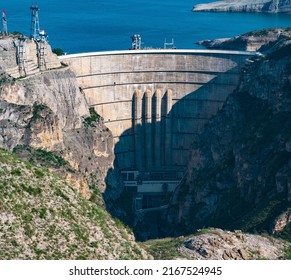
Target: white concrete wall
x=199 y=81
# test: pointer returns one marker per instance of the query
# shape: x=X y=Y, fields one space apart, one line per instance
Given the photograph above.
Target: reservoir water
x=96 y=25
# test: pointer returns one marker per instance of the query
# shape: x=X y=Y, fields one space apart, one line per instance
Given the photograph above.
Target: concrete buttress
x=157 y=128
x=168 y=127
x=148 y=130
x=137 y=128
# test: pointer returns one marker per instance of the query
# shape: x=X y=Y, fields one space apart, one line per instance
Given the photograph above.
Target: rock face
x=239 y=172
x=281 y=222
x=21 y=57
x=48 y=112
x=253 y=6
x=266 y=40
x=224 y=245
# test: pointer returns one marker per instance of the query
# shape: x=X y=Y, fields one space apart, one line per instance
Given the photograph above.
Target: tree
x=58 y=51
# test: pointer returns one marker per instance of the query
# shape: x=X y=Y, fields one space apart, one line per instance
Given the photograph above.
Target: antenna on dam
x=34 y=30
x=4 y=23
x=171 y=45
x=136 y=42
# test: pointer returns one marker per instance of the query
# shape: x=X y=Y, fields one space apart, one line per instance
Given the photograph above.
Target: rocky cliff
x=47 y=112
x=253 y=6
x=239 y=171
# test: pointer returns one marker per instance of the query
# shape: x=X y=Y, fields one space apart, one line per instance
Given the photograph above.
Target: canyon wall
x=47 y=112
x=239 y=172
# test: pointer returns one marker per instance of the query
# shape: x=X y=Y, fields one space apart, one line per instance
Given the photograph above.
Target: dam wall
x=155 y=101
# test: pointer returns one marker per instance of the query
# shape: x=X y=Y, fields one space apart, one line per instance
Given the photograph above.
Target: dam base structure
x=155 y=102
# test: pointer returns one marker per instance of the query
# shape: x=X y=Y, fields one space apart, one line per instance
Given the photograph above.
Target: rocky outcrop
x=266 y=40
x=239 y=171
x=217 y=244
x=252 y=6
x=47 y=111
x=281 y=222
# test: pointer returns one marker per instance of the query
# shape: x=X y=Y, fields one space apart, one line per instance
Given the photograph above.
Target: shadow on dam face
x=158 y=150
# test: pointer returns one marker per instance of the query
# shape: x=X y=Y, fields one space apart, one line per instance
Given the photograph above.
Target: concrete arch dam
x=155 y=101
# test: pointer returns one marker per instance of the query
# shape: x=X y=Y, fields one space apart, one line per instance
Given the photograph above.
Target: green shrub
x=29 y=231
x=42 y=214
x=94 y=244
x=58 y=192
x=58 y=51
x=31 y=190
x=38 y=173
x=288 y=253
x=94 y=117
x=16 y=172
x=286 y=233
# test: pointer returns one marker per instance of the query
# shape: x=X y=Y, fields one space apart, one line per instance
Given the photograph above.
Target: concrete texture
x=154 y=101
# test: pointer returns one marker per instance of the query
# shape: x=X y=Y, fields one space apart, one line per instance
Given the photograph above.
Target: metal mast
x=22 y=57
x=136 y=42
x=42 y=44
x=34 y=31
x=171 y=45
x=4 y=23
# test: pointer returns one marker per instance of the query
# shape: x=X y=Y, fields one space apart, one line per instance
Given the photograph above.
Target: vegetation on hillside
x=42 y=217
x=209 y=243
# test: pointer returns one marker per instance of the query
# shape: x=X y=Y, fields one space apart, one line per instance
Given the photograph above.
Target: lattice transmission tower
x=42 y=50
x=39 y=36
x=136 y=42
x=34 y=29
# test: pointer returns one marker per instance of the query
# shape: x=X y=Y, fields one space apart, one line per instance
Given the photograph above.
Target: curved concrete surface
x=155 y=101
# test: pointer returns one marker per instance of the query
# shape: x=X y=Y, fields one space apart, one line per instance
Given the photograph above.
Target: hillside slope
x=42 y=217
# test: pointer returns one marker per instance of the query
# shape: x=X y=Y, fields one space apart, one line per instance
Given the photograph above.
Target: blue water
x=88 y=25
